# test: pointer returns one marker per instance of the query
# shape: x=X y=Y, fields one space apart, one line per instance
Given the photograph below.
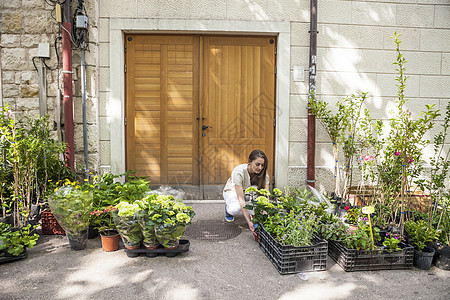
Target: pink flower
x=347 y=208
x=411 y=160
x=368 y=158
x=397 y=153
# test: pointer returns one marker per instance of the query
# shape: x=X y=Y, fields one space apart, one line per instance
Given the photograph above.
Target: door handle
x=204 y=127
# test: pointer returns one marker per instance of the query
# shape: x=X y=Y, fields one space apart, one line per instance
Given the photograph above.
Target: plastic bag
x=320 y=199
x=168 y=191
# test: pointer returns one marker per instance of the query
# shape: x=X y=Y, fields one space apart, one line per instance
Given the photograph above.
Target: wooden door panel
x=161 y=108
x=238 y=80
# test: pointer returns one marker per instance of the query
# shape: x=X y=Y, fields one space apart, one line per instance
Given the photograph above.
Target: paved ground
x=230 y=269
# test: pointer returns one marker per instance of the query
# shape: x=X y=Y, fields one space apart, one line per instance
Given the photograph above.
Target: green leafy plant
x=420 y=232
x=15 y=242
x=353 y=215
x=391 y=244
x=71 y=205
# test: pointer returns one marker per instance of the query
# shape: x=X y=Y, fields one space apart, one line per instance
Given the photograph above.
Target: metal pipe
x=311 y=146
x=67 y=81
x=42 y=76
x=83 y=104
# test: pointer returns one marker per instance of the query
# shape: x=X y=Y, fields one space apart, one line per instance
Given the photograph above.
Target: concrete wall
x=355 y=54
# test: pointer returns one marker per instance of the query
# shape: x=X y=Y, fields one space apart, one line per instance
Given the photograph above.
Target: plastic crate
x=371 y=260
x=49 y=224
x=289 y=259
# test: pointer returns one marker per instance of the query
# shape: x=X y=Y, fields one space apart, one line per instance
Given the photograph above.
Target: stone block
x=214 y=9
x=164 y=9
x=248 y=10
x=435 y=86
x=14 y=59
x=29 y=91
x=28 y=77
x=104 y=80
x=37 y=22
x=105 y=152
x=387 y=85
x=435 y=40
x=331 y=11
x=378 y=14
x=410 y=38
x=298 y=106
x=103 y=31
x=445 y=70
x=93 y=162
x=8 y=77
x=9 y=4
x=297 y=153
x=442 y=15
x=346 y=83
x=32 y=4
x=27 y=104
x=103 y=54
x=360 y=37
x=118 y=8
x=300 y=34
x=105 y=134
x=12 y=22
x=300 y=56
x=10 y=90
x=91 y=110
x=92 y=138
x=10 y=40
x=298 y=130
x=413 y=15
x=296 y=177
x=103 y=104
x=288 y=10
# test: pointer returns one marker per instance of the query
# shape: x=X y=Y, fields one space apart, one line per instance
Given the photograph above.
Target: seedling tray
x=183 y=247
x=371 y=260
x=5 y=257
x=289 y=259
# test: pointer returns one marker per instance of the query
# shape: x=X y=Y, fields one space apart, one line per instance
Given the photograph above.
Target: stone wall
x=23 y=25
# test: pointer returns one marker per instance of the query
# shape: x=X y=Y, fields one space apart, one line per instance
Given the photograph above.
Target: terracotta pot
x=110 y=242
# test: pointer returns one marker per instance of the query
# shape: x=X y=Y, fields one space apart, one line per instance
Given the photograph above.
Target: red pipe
x=67 y=80
x=311 y=146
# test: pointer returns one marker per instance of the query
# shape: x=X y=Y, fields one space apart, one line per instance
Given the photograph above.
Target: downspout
x=67 y=81
x=311 y=147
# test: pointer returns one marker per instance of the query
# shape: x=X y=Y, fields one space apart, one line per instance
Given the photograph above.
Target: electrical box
x=82 y=21
x=44 y=50
x=299 y=73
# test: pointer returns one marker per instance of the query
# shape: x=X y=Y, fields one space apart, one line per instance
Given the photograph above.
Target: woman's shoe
x=228 y=217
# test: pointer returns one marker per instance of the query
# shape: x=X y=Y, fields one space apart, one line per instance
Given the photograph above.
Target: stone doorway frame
x=117 y=30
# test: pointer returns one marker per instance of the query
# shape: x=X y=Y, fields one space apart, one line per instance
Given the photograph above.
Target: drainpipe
x=67 y=81
x=311 y=148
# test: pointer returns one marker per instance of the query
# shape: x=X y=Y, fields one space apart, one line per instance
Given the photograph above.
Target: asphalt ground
x=234 y=268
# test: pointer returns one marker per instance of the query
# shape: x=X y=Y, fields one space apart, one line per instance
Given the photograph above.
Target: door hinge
x=125 y=121
x=125 y=68
x=125 y=47
x=275 y=70
x=273 y=180
x=274 y=122
x=275 y=50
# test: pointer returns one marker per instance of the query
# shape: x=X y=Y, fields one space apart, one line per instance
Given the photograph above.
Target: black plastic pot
x=423 y=259
x=77 y=241
x=443 y=258
x=92 y=232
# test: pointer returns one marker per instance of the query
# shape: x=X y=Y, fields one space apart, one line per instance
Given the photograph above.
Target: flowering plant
x=353 y=215
x=103 y=220
x=164 y=209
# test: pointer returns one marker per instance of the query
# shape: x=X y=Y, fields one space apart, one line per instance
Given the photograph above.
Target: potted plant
x=126 y=221
x=169 y=216
x=420 y=233
x=102 y=220
x=14 y=243
x=71 y=206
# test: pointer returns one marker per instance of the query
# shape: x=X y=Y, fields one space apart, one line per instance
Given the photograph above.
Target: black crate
x=290 y=259
x=371 y=260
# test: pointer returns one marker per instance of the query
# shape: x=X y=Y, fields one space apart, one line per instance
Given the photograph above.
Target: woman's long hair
x=259 y=179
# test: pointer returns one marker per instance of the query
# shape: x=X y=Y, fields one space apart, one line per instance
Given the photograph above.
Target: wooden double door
x=196 y=106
